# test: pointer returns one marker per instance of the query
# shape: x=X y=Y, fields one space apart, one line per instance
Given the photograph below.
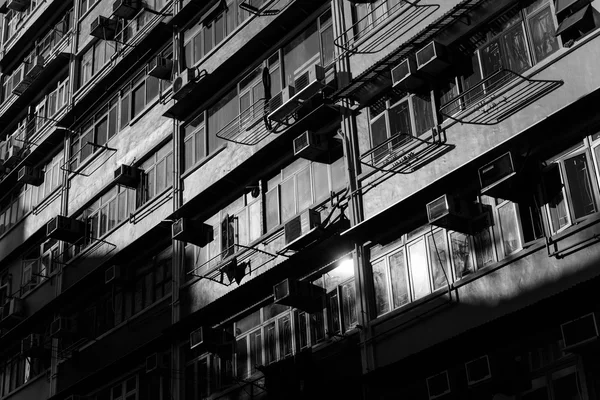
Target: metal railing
x=387 y=25
x=247 y=128
x=496 y=98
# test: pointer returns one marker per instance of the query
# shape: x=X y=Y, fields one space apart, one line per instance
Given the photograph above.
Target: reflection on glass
x=381 y=289
x=439 y=259
x=418 y=269
x=509 y=228
x=398 y=274
x=484 y=248
x=580 y=185
x=349 y=316
x=543 y=32
x=461 y=254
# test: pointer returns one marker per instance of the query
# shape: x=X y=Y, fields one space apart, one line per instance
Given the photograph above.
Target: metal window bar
x=248 y=127
x=362 y=83
x=496 y=98
x=131 y=33
x=389 y=26
x=67 y=165
x=402 y=151
x=86 y=244
x=215 y=265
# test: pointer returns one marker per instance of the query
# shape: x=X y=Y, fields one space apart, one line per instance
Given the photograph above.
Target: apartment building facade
x=299 y=199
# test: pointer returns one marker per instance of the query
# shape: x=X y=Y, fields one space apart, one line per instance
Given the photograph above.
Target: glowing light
x=347 y=267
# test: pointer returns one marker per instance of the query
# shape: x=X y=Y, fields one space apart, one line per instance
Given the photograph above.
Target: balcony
x=31 y=27
x=382 y=26
x=55 y=57
x=248 y=128
x=134 y=43
x=377 y=78
x=497 y=97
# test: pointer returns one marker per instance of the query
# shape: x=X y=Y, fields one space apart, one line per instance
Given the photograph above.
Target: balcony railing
x=382 y=26
x=496 y=98
x=403 y=153
x=232 y=264
x=248 y=128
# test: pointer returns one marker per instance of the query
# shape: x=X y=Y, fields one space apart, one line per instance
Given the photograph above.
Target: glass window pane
x=302 y=52
x=152 y=85
x=542 y=29
x=418 y=269
x=438 y=256
x=327 y=45
x=516 y=52
x=381 y=287
x=304 y=189
x=321 y=178
x=125 y=110
x=288 y=204
x=138 y=99
x=208 y=38
x=272 y=207
x=484 y=248
x=423 y=114
x=255 y=350
x=511 y=239
x=349 y=315
x=285 y=336
x=188 y=157
x=580 y=185
x=398 y=274
x=112 y=122
x=461 y=254
x=270 y=343
x=242 y=231
x=334 y=312
x=255 y=220
x=160 y=175
x=197 y=49
x=399 y=116
x=379 y=135
x=102 y=132
x=558 y=211
x=241 y=357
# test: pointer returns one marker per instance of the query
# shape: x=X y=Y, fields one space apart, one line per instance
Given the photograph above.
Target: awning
x=571 y=20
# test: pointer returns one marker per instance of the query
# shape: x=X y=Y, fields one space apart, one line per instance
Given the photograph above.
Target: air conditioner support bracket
x=78 y=171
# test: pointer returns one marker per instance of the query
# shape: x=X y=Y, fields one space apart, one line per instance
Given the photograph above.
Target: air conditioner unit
x=210 y=337
x=19 y=83
x=17 y=5
x=310 y=82
x=302 y=295
x=156 y=363
x=405 y=76
x=34 y=68
x=310 y=146
x=13 y=153
x=160 y=67
x=438 y=385
x=12 y=312
x=451 y=212
x=432 y=59
x=62 y=327
x=190 y=231
x=33 y=346
x=478 y=370
x=282 y=105
x=31 y=175
x=126 y=8
x=127 y=175
x=67 y=229
x=103 y=28
x=579 y=333
x=302 y=229
x=506 y=178
x=184 y=83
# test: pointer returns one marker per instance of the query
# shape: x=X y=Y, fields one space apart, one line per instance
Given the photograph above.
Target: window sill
x=29 y=382
x=145 y=111
x=204 y=161
x=150 y=205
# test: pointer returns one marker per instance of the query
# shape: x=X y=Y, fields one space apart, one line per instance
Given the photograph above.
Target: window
x=15 y=20
x=38 y=264
x=95 y=134
x=299 y=186
x=571 y=183
x=576 y=19
x=127 y=389
x=245 y=219
x=94 y=59
x=194 y=142
x=516 y=40
x=85 y=5
x=15 y=205
x=367 y=16
x=5 y=286
x=406 y=116
x=157 y=175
